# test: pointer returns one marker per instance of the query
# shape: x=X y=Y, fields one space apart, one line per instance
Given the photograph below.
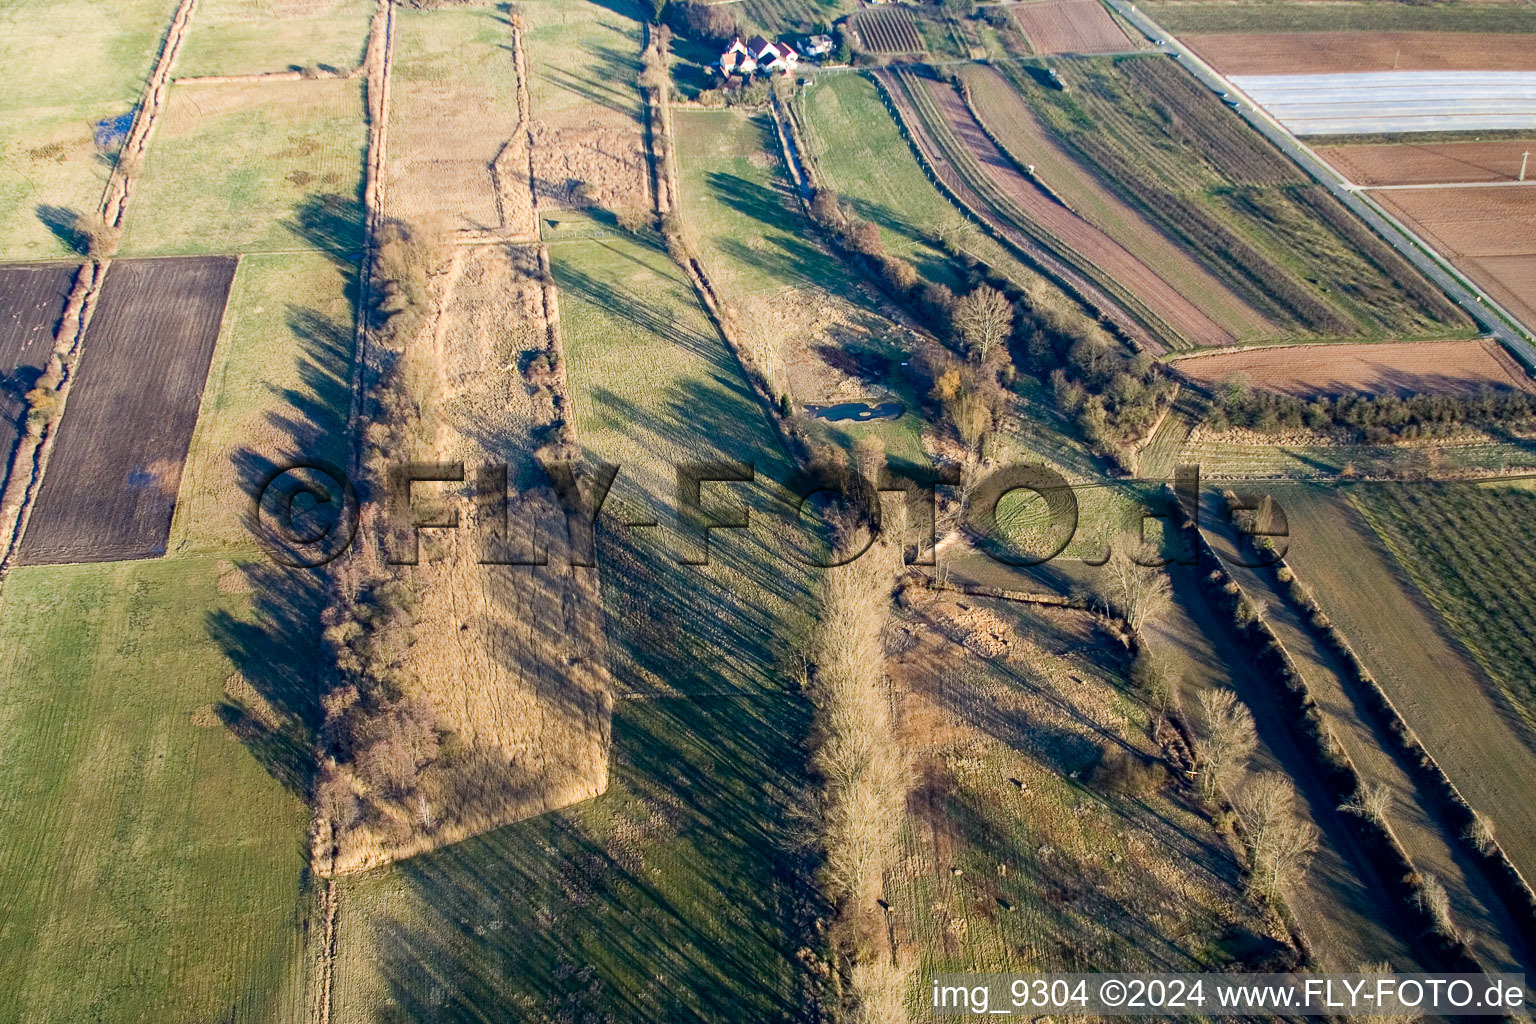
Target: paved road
x=1492 y=317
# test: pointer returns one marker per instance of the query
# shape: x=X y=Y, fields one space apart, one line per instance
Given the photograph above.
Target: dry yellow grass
x=511 y=658
x=457 y=148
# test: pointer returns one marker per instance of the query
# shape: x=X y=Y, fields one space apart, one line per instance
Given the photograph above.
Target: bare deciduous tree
x=1279 y=842
x=865 y=774
x=1371 y=801
x=1435 y=902
x=1480 y=833
x=982 y=319
x=1138 y=588
x=1229 y=740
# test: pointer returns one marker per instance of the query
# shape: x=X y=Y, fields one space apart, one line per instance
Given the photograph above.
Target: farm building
x=758 y=54
x=818 y=46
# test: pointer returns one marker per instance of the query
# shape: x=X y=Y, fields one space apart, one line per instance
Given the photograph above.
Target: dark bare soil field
x=31 y=301
x=110 y=485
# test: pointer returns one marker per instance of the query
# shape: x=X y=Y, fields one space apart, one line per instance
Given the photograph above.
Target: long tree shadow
x=276 y=644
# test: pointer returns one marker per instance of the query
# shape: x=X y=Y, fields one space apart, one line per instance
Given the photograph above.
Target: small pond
x=857 y=411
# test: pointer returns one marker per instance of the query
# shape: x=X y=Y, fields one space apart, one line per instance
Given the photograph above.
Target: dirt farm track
x=110 y=484
x=1399 y=368
x=1262 y=53
x=31 y=302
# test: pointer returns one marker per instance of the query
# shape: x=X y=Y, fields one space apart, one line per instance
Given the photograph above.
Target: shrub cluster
x=1377 y=420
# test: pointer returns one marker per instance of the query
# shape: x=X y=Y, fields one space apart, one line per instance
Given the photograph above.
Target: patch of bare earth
x=1429 y=163
x=1490 y=233
x=1396 y=368
x=1070 y=26
x=1262 y=53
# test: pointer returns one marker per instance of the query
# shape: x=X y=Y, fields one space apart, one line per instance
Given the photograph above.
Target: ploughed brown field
x=1264 y=53
x=1394 y=368
x=110 y=484
x=32 y=299
x=1070 y=26
x=1489 y=233
x=1430 y=163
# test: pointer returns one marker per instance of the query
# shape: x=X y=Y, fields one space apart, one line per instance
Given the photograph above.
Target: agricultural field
x=252 y=37
x=1297 y=53
x=1337 y=903
x=778 y=16
x=1428 y=163
x=287 y=330
x=1396 y=102
x=1308 y=457
x=454 y=122
x=111 y=481
x=1019 y=131
x=152 y=865
x=1189 y=17
x=1402 y=369
x=1367 y=589
x=1016 y=853
x=1490 y=233
x=75 y=69
x=252 y=167
x=1466 y=547
x=32 y=298
x=888 y=30
x=857 y=148
x=1159 y=275
x=819 y=334
x=1169 y=147
x=684 y=867
x=1070 y=26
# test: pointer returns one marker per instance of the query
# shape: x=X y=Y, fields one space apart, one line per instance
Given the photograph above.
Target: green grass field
x=582 y=57
x=1343 y=17
x=154 y=715
x=247 y=37
x=761 y=252
x=288 y=336
x=152 y=868
x=857 y=149
x=268 y=166
x=676 y=896
x=69 y=65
